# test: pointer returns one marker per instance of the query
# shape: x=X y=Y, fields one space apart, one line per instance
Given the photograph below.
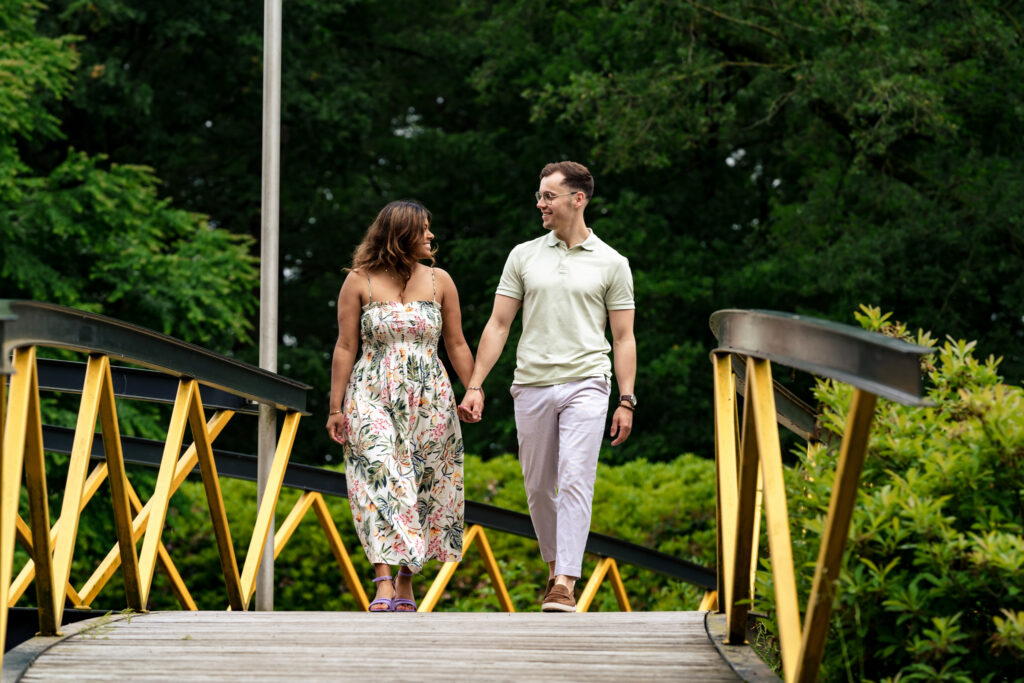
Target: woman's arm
x=451 y=328
x=345 y=350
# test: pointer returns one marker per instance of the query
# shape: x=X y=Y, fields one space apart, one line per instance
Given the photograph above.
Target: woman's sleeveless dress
x=404 y=452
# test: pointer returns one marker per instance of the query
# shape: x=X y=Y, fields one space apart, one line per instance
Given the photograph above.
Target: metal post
x=270 y=205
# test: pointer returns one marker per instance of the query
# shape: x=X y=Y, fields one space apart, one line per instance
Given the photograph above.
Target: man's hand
x=472 y=407
x=622 y=425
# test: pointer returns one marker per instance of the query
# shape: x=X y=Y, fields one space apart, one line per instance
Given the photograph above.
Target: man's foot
x=559 y=599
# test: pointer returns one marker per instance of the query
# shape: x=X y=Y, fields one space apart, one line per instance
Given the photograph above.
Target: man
x=568 y=282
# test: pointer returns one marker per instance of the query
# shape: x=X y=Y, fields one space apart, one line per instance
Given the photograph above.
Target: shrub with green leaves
x=932 y=586
x=666 y=506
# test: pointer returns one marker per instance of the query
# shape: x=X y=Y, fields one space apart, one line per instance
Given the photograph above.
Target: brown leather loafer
x=559 y=599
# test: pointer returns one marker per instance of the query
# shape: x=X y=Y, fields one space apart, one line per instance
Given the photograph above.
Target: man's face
x=559 y=210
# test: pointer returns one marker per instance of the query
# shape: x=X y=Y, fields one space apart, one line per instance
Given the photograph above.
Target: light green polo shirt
x=566 y=295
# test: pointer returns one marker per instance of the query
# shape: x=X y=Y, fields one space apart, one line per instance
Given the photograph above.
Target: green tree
x=802 y=157
x=178 y=84
x=84 y=232
x=931 y=585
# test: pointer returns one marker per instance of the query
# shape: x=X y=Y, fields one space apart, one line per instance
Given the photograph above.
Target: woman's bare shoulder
x=442 y=275
x=354 y=284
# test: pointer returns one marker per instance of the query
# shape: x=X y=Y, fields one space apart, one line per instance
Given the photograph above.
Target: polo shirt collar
x=589 y=244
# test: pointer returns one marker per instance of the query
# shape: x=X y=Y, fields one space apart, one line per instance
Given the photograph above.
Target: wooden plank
x=262 y=646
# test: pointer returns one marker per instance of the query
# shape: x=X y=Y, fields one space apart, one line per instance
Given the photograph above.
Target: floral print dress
x=404 y=452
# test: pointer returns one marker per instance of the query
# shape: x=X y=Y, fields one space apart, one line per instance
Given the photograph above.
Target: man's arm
x=492 y=342
x=624 y=359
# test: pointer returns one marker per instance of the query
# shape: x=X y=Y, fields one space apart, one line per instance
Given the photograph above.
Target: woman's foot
x=384 y=601
x=404 y=599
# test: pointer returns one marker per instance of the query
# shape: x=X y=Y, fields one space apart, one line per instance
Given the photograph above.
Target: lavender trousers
x=560 y=429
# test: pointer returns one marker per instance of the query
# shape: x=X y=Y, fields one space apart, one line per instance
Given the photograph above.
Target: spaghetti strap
x=369 y=288
x=433 y=284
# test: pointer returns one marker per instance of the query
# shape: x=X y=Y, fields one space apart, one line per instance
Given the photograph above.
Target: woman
x=392 y=405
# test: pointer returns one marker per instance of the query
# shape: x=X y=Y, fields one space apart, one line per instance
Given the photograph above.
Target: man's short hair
x=577 y=177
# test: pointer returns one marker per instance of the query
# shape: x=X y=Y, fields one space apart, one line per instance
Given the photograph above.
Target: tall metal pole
x=270 y=207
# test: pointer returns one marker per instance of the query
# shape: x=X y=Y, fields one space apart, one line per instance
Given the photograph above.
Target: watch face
x=630 y=398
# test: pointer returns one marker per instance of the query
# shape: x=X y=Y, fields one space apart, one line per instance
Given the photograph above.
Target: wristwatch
x=630 y=399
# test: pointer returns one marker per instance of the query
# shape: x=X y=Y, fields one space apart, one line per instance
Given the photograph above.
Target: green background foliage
x=83 y=230
x=932 y=586
x=788 y=155
x=931 y=583
x=665 y=506
x=796 y=156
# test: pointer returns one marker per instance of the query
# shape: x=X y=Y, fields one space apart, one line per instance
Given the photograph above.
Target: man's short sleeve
x=511 y=283
x=619 y=296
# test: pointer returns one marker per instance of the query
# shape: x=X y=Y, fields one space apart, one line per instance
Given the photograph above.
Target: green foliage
x=35 y=69
x=933 y=582
x=668 y=507
x=83 y=232
x=665 y=506
x=786 y=156
x=136 y=258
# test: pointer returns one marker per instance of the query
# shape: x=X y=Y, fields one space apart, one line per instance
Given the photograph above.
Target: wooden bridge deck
x=274 y=646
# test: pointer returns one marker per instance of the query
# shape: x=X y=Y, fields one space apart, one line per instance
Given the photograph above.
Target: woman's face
x=423 y=246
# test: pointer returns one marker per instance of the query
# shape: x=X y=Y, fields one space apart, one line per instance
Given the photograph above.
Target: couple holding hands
x=393 y=408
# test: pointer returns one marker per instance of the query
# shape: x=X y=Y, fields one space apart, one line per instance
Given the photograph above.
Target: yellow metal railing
x=740 y=465
x=749 y=469
x=607 y=567
x=138 y=521
x=50 y=554
x=51 y=548
x=475 y=534
x=284 y=533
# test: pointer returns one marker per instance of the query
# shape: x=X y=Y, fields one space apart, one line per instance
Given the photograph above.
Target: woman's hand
x=336 y=428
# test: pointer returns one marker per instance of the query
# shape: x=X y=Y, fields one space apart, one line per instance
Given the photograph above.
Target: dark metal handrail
x=147 y=452
x=749 y=467
x=881 y=365
x=30 y=323
x=135 y=384
x=232 y=385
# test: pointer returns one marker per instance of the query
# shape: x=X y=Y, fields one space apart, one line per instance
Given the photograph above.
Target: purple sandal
x=382 y=601
x=402 y=601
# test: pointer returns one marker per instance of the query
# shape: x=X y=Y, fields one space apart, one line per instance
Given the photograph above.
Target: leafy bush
x=932 y=586
x=669 y=507
x=666 y=506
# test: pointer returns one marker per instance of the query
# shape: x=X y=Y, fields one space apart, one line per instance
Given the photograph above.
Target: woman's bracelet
x=334 y=412
x=474 y=388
